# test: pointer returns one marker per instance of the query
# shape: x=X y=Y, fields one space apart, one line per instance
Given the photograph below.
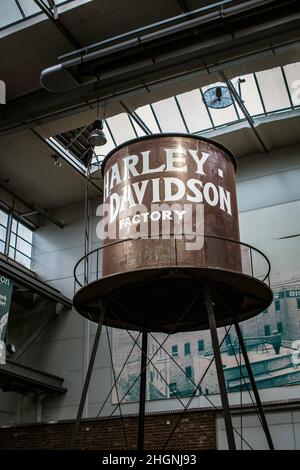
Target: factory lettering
x=121 y=192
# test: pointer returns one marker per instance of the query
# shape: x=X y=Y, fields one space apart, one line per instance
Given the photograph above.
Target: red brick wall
x=195 y=431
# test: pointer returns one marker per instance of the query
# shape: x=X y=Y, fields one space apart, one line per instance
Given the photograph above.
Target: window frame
x=277 y=305
x=187 y=348
x=11 y=250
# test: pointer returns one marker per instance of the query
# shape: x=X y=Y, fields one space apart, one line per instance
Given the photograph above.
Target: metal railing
x=249 y=256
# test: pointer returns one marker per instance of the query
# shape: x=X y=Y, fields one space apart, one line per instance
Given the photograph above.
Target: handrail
x=116 y=242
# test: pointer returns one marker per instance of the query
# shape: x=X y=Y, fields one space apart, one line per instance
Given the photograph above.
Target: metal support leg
x=219 y=367
x=254 y=388
x=141 y=430
x=88 y=376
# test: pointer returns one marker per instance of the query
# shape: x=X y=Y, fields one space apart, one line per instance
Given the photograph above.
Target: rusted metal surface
x=219 y=172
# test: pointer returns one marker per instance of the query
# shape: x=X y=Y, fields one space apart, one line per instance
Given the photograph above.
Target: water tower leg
x=254 y=388
x=141 y=425
x=88 y=376
x=219 y=367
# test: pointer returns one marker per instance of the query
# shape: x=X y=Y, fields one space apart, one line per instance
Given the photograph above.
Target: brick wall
x=195 y=431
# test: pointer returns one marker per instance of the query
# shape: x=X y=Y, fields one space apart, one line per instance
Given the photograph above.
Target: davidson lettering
x=162 y=188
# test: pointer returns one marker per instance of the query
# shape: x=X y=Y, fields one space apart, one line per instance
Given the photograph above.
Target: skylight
x=15 y=11
x=262 y=93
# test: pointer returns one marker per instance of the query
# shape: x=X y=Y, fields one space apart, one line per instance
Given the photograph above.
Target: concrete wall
x=269 y=204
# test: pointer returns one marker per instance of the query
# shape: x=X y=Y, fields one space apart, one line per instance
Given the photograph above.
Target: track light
x=57 y=161
x=97 y=137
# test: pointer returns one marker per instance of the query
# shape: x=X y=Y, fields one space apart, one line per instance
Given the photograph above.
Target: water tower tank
x=173 y=221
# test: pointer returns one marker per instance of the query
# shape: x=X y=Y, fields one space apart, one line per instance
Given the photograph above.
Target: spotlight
x=97 y=137
x=57 y=161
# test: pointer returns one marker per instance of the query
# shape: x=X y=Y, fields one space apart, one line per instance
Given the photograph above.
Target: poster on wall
x=272 y=339
x=6 y=288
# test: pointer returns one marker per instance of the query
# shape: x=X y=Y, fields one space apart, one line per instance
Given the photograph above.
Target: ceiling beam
x=32 y=205
x=39 y=106
x=136 y=118
x=78 y=166
x=244 y=110
x=183 y=6
x=58 y=24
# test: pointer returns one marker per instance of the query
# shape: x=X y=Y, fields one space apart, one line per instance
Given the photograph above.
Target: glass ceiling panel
x=9 y=12
x=221 y=116
x=262 y=93
x=249 y=94
x=137 y=128
x=273 y=89
x=194 y=111
x=168 y=116
x=29 y=7
x=121 y=128
x=145 y=113
x=292 y=73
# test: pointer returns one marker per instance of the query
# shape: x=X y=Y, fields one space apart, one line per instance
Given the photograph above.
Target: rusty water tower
x=172 y=259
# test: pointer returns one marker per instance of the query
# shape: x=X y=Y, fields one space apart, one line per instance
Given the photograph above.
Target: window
x=15 y=239
x=175 y=350
x=187 y=349
x=298 y=303
x=279 y=327
x=277 y=305
x=189 y=371
x=267 y=330
x=201 y=345
x=3 y=230
x=228 y=340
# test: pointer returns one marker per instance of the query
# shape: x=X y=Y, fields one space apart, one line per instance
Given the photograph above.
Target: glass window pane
x=292 y=73
x=11 y=253
x=168 y=116
x=3 y=218
x=221 y=116
x=2 y=247
x=273 y=89
x=14 y=226
x=137 y=128
x=12 y=241
x=194 y=111
x=9 y=12
x=25 y=232
x=249 y=94
x=2 y=233
x=24 y=247
x=23 y=260
x=145 y=113
x=121 y=128
x=29 y=7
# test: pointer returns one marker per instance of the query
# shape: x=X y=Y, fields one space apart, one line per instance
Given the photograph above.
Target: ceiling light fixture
x=97 y=137
x=57 y=161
